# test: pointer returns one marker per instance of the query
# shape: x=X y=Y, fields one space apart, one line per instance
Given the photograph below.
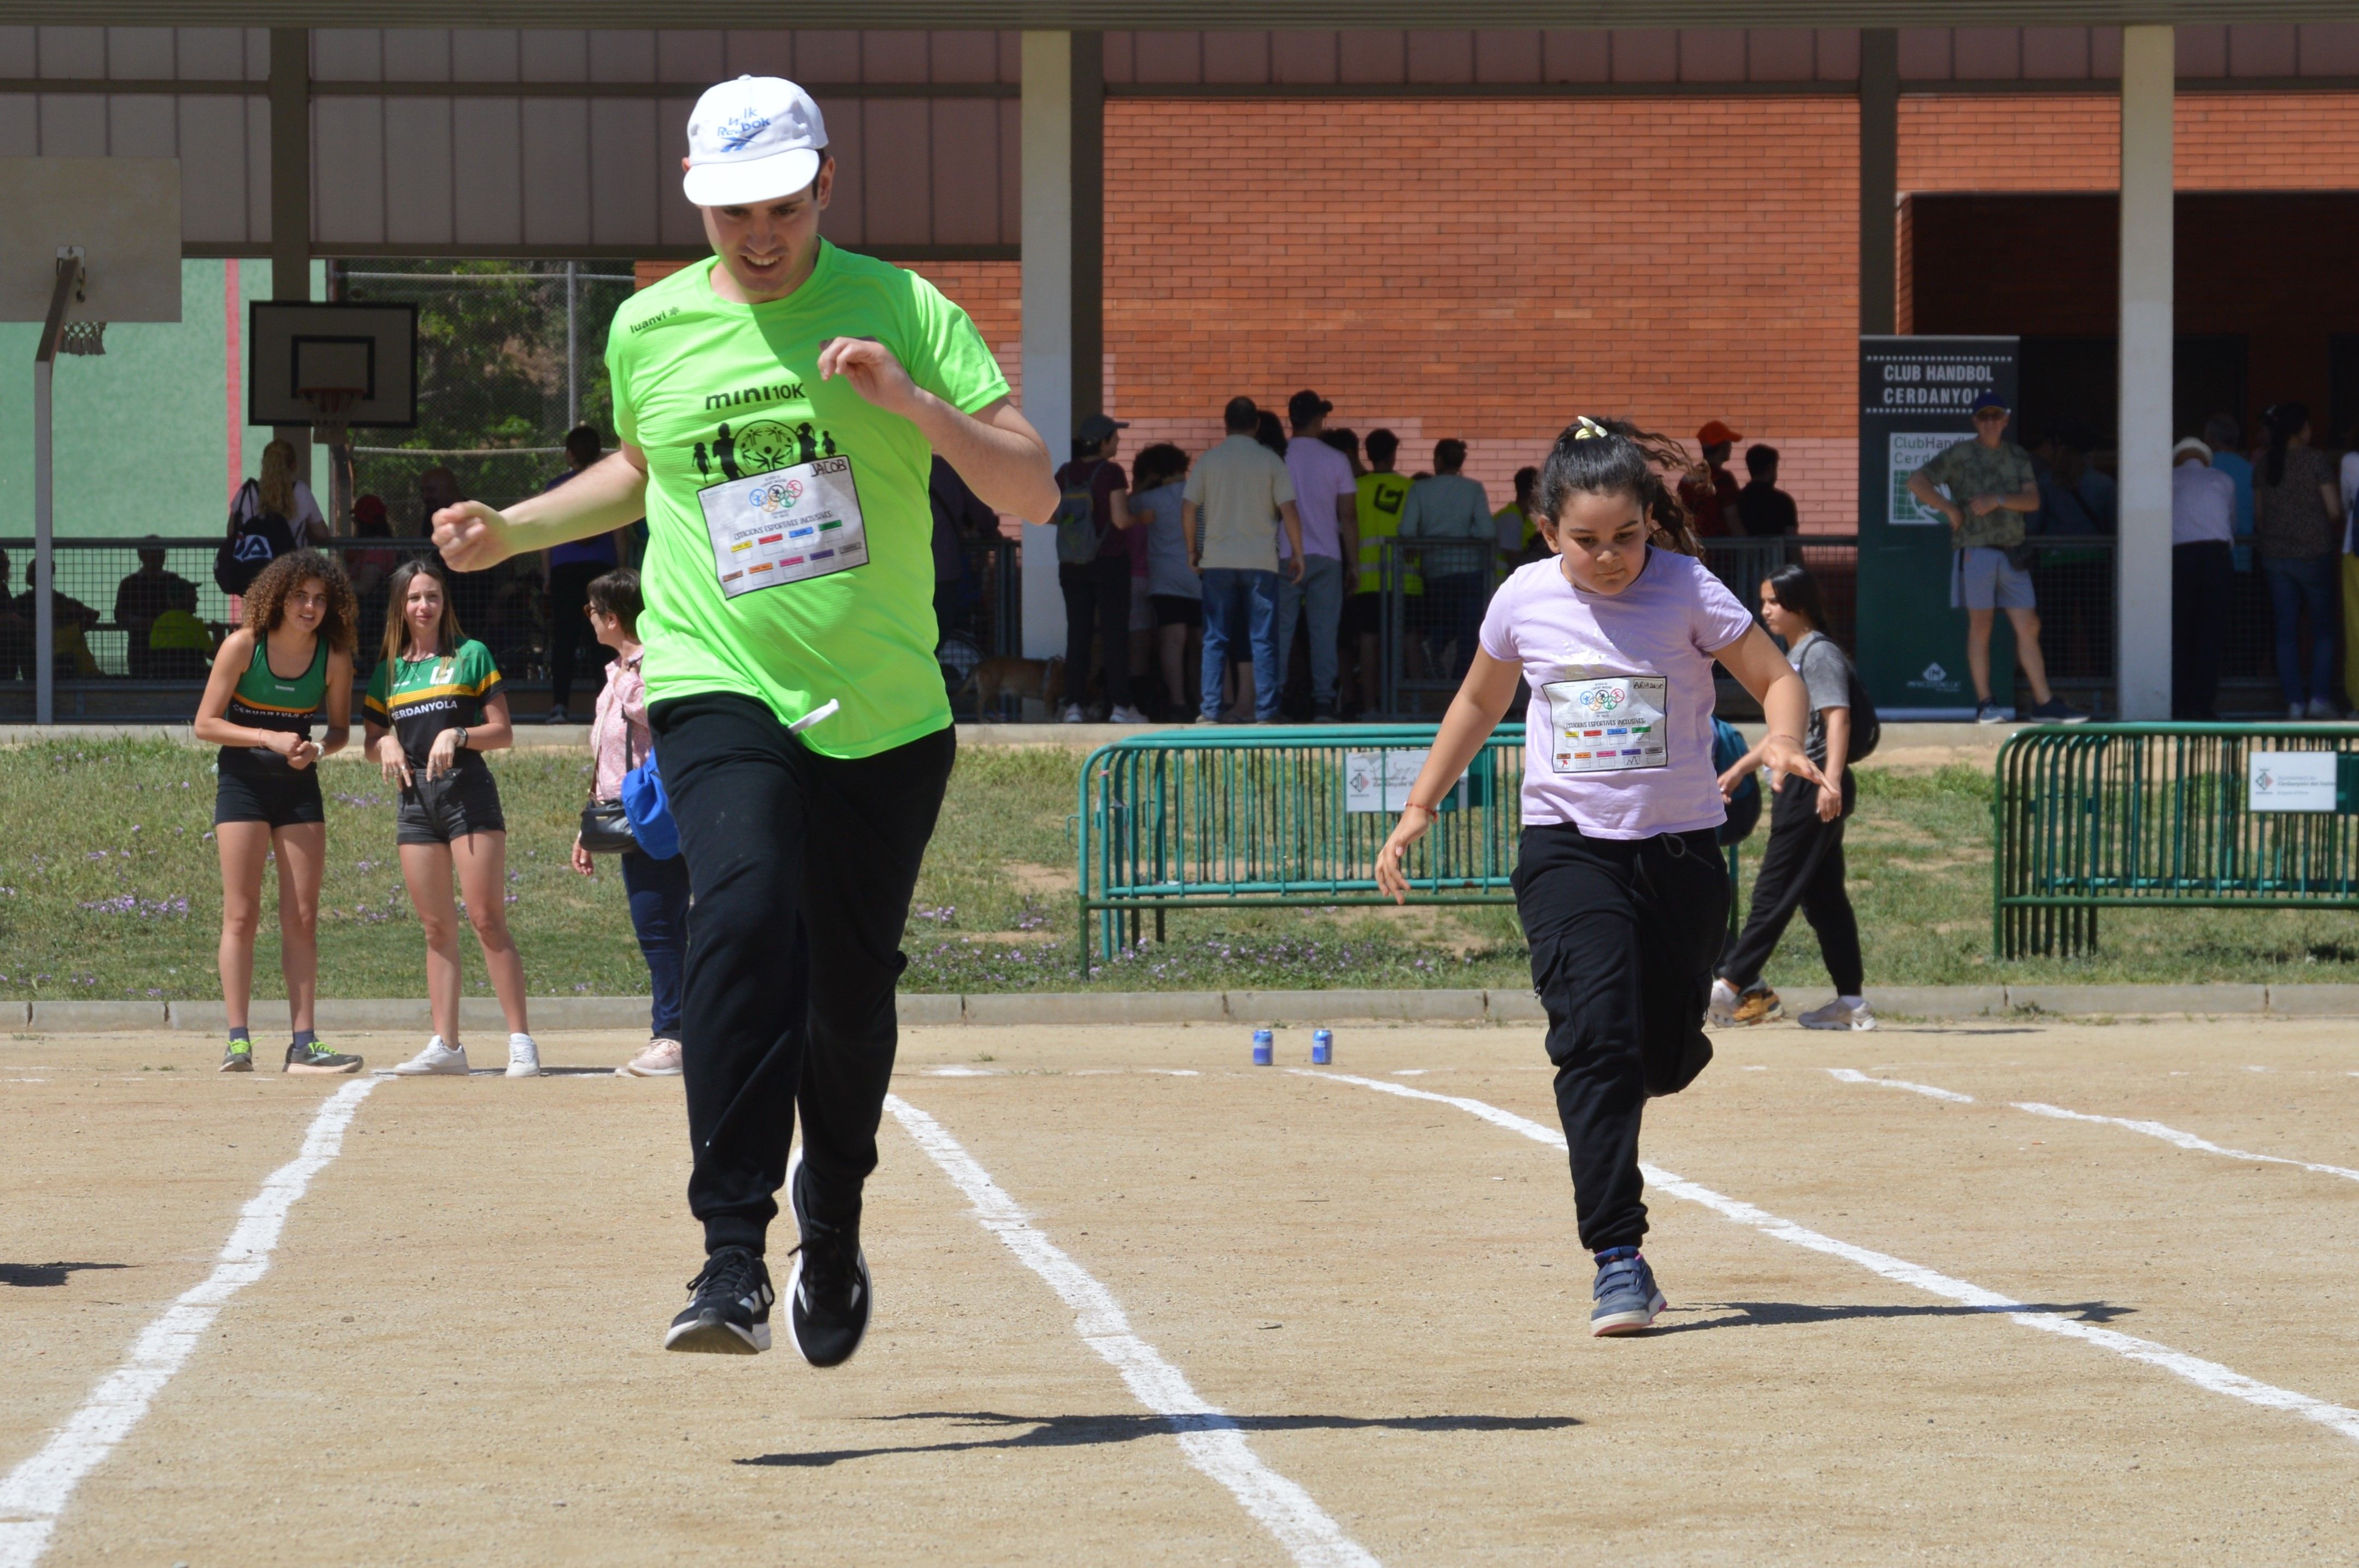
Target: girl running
x=433 y=707
x=1620 y=886
x=1803 y=866
x=289 y=666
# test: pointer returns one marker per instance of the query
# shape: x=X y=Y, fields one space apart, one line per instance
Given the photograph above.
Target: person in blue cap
x=1990 y=486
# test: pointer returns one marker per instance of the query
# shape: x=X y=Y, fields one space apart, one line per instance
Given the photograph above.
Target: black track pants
x=1622 y=934
x=802 y=866
x=1801 y=869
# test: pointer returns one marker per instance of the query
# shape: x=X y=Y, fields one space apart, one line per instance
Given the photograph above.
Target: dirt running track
x=453 y=1356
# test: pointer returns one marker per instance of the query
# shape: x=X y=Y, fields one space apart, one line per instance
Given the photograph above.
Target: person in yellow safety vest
x=1382 y=493
x=1516 y=529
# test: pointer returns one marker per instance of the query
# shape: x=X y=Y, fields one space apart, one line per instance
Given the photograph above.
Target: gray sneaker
x=1838 y=1014
x=1625 y=1295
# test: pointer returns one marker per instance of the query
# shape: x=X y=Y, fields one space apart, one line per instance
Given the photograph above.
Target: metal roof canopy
x=1192 y=14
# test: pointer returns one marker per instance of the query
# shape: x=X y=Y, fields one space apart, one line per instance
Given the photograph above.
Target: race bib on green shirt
x=788 y=525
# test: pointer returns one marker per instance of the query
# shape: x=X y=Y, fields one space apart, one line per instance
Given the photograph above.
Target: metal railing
x=1433 y=595
x=2155 y=816
x=1283 y=816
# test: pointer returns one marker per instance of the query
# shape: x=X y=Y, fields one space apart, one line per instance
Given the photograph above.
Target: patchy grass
x=109 y=888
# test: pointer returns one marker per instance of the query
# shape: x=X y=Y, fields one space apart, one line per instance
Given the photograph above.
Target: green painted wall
x=142 y=432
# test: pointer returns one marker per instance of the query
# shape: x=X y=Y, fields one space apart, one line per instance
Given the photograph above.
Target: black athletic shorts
x=1177 y=609
x=252 y=792
x=1363 y=615
x=435 y=811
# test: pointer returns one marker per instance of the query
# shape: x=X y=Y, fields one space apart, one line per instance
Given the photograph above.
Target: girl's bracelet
x=1433 y=811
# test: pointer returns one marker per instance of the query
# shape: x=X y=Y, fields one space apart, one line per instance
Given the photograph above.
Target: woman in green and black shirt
x=433 y=707
x=289 y=666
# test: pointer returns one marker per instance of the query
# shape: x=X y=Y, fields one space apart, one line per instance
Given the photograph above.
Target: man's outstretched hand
x=471 y=536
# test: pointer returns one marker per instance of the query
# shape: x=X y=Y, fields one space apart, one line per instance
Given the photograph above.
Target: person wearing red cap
x=1711 y=495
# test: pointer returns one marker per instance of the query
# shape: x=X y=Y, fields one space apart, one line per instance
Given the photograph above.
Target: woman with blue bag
x=653 y=873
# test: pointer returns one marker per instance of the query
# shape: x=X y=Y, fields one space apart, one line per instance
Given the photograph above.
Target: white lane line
x=2151 y=1129
x=2184 y=1139
x=1212 y=1442
x=1853 y=1076
x=2204 y=1374
x=37 y=1491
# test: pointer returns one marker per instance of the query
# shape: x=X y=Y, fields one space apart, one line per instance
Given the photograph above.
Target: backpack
x=1078 y=539
x=256 y=538
x=1866 y=728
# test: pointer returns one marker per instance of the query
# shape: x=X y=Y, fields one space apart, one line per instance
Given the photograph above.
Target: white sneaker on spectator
x=2296 y=710
x=659 y=1060
x=2321 y=708
x=1838 y=1014
x=437 y=1059
x=1126 y=714
x=1074 y=713
x=524 y=1057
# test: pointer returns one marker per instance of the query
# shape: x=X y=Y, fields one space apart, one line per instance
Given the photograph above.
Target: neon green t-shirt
x=769 y=587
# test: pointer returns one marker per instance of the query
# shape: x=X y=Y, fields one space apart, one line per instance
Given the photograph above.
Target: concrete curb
x=557 y=1015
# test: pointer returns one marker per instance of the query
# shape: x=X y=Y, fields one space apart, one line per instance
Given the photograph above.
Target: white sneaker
x=1838 y=1014
x=659 y=1060
x=2321 y=708
x=1126 y=714
x=1722 y=1010
x=524 y=1057
x=437 y=1059
x=1072 y=713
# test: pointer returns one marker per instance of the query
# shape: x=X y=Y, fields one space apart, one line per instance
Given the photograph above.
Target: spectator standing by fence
x=1991 y=486
x=2296 y=529
x=1236 y=499
x=1450 y=509
x=1710 y=495
x=1518 y=534
x=569 y=570
x=2225 y=436
x=140 y=599
x=2203 y=534
x=1327 y=500
x=1097 y=590
x=370 y=566
x=1173 y=590
x=2349 y=475
x=1382 y=495
x=1764 y=511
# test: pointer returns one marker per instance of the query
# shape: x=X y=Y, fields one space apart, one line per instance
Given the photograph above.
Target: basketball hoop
x=82 y=337
x=329 y=405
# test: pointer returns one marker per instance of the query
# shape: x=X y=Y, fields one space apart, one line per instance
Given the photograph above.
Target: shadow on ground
x=46 y=1274
x=1765 y=1314
x=1066 y=1431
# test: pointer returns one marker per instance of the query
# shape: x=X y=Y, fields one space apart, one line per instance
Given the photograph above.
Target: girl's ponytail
x=1615 y=457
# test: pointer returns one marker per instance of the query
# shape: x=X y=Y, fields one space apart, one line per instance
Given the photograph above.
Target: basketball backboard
x=123 y=213
x=306 y=356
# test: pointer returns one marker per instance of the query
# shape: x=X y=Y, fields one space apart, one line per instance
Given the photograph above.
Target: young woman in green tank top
x=290 y=666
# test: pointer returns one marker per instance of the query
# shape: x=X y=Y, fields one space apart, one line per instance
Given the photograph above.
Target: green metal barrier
x=1241 y=816
x=2157 y=816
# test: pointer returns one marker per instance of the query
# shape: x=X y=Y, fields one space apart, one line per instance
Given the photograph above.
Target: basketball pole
x=45 y=615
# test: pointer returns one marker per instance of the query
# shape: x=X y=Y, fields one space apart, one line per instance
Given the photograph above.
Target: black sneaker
x=728 y=1310
x=829 y=1293
x=239 y=1057
x=317 y=1059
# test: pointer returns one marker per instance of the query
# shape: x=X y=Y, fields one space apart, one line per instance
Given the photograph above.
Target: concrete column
x=1046 y=238
x=2149 y=56
x=291 y=189
x=1879 y=178
x=1088 y=176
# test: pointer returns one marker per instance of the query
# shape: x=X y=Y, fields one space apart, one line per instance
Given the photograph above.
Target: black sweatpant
x=570 y=630
x=802 y=866
x=1622 y=933
x=2200 y=574
x=1097 y=607
x=1801 y=869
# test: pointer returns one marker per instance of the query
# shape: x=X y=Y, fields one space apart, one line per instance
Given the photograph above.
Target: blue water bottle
x=1322 y=1047
x=1262 y=1055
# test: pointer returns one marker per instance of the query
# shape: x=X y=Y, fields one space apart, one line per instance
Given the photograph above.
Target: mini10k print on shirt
x=1619 y=737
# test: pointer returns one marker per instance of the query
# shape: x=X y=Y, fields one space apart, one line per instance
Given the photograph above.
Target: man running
x=779 y=408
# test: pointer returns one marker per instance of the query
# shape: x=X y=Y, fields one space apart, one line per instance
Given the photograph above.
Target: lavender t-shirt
x=1619 y=737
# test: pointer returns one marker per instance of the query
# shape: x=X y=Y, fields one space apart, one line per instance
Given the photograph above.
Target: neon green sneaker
x=317 y=1059
x=239 y=1057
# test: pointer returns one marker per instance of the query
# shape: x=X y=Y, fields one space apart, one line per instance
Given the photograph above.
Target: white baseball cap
x=754 y=139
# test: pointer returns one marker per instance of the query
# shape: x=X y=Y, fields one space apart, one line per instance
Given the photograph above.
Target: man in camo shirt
x=1990 y=486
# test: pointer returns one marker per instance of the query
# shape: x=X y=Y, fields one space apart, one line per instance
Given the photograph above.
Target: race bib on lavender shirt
x=1606 y=723
x=790 y=524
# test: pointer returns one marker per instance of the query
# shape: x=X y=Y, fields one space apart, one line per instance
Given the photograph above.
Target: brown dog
x=1008 y=676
